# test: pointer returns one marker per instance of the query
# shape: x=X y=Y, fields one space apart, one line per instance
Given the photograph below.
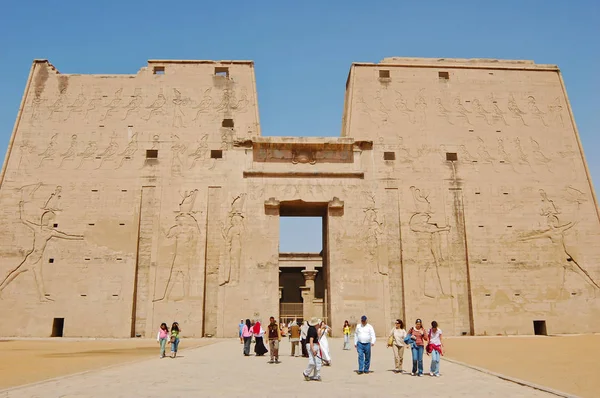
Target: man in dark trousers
x=314 y=352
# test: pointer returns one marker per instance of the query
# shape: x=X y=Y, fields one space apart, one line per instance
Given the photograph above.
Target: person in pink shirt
x=162 y=337
x=247 y=336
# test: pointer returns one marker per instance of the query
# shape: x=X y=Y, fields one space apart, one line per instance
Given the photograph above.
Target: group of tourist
x=253 y=330
x=314 y=345
x=417 y=339
x=166 y=336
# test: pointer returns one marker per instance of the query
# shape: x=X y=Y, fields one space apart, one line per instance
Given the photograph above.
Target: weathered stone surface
x=458 y=191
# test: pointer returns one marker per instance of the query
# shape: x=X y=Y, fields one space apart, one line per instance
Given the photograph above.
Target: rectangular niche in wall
x=539 y=328
x=58 y=325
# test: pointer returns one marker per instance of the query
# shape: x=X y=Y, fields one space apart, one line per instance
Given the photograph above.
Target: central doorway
x=303 y=260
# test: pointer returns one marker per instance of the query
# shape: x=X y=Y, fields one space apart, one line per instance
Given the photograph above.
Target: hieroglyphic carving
x=460 y=112
x=483 y=154
x=402 y=107
x=25 y=149
x=421 y=110
x=188 y=199
x=71 y=152
x=186 y=233
x=89 y=153
x=428 y=234
x=523 y=158
x=77 y=106
x=534 y=111
x=232 y=234
x=129 y=151
x=177 y=149
x=481 y=112
x=465 y=157
x=113 y=105
x=53 y=201
x=241 y=104
x=50 y=150
x=504 y=156
x=497 y=113
x=42 y=232
x=157 y=106
x=514 y=109
x=109 y=152
x=374 y=237
x=574 y=195
x=201 y=152
x=59 y=104
x=178 y=114
x=555 y=111
x=442 y=111
x=225 y=103
x=555 y=232
x=36 y=102
x=205 y=104
x=93 y=104
x=539 y=156
x=134 y=104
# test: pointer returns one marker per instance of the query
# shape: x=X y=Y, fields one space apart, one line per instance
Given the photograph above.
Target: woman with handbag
x=418 y=336
x=435 y=348
x=346 y=335
x=396 y=341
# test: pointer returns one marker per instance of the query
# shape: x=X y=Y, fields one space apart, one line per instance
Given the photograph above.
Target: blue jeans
x=417 y=356
x=174 y=345
x=364 y=356
x=435 y=362
x=163 y=344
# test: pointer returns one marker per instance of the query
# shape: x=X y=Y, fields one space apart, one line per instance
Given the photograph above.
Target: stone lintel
x=303 y=174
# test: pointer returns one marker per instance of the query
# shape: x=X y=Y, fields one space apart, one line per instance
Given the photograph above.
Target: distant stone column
x=308 y=293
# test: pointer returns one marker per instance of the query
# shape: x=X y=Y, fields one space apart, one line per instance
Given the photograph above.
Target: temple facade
x=457 y=191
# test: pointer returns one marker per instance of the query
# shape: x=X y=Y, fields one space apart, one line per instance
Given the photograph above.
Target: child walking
x=174 y=339
x=162 y=337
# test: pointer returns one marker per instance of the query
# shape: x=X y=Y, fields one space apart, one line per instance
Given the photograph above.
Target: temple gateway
x=457 y=191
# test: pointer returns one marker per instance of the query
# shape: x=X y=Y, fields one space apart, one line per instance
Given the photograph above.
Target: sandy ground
x=567 y=363
x=29 y=360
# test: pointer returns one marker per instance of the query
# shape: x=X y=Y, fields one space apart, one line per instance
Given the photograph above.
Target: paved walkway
x=220 y=370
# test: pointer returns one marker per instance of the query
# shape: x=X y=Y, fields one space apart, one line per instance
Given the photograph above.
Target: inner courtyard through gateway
x=302 y=273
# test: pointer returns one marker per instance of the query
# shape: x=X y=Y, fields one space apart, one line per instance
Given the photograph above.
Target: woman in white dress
x=324 y=344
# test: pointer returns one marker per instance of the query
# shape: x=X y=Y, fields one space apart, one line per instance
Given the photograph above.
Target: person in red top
x=274 y=339
x=419 y=338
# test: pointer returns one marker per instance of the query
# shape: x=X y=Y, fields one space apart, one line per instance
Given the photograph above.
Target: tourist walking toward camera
x=435 y=347
x=324 y=343
x=314 y=356
x=346 y=331
x=396 y=342
x=418 y=336
x=274 y=339
x=364 y=339
x=295 y=338
x=174 y=339
x=241 y=328
x=259 y=333
x=247 y=336
x=162 y=337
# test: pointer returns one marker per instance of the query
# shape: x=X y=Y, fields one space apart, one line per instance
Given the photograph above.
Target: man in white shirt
x=364 y=339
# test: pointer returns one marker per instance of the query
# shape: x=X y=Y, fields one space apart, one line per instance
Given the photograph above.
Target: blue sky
x=302 y=51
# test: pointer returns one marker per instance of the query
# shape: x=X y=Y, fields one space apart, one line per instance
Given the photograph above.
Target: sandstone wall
x=515 y=209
